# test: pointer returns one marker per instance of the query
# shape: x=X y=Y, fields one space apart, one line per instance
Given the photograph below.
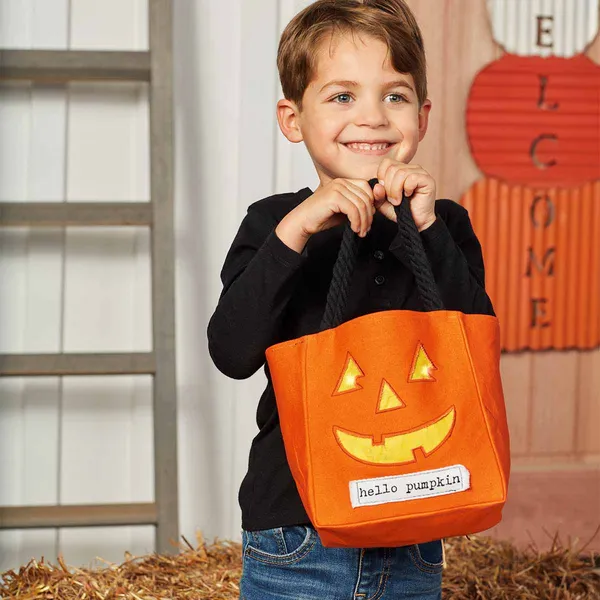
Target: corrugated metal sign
x=542 y=258
x=537 y=120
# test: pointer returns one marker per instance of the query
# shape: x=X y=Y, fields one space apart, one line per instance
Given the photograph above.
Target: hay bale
x=478 y=568
x=484 y=568
x=201 y=573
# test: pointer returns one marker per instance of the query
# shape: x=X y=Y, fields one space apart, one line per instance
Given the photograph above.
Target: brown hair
x=390 y=21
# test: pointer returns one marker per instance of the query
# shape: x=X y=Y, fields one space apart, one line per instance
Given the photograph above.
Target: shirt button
x=379 y=255
x=380 y=280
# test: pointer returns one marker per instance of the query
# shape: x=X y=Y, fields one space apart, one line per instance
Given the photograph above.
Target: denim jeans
x=291 y=563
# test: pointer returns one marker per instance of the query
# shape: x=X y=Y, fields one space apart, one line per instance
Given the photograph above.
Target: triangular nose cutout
x=388 y=399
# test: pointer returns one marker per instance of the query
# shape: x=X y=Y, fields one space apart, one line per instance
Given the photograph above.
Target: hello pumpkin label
x=425 y=484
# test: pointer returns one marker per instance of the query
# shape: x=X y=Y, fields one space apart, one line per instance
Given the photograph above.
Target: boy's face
x=380 y=106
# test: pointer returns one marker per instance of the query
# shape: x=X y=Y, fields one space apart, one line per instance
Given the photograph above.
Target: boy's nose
x=372 y=114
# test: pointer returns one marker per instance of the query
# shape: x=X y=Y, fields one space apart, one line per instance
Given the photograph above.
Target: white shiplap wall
x=90 y=439
x=80 y=439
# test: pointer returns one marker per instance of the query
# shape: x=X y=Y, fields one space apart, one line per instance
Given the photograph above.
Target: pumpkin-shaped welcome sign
x=394 y=423
x=536 y=120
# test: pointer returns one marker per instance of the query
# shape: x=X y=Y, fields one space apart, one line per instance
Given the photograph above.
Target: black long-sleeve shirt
x=272 y=293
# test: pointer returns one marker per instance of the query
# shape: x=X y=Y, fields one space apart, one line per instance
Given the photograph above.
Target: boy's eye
x=341 y=96
x=399 y=98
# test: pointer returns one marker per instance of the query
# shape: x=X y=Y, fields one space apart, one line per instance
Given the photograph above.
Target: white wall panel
x=16 y=23
x=99 y=462
x=43 y=311
x=32 y=135
x=107 y=290
x=207 y=111
x=109 y=24
x=14 y=141
x=103 y=305
x=11 y=436
x=108 y=143
x=33 y=23
x=87 y=144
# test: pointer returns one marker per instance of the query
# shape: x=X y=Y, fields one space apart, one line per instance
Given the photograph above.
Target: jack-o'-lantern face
x=398 y=447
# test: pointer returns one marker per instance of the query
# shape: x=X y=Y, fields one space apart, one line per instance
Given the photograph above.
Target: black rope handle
x=419 y=263
x=337 y=297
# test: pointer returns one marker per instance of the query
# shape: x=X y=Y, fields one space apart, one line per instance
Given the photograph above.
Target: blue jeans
x=291 y=563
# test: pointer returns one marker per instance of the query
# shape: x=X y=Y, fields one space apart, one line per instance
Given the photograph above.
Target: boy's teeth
x=363 y=146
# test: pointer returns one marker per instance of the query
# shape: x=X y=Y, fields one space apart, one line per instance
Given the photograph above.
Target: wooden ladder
x=155 y=68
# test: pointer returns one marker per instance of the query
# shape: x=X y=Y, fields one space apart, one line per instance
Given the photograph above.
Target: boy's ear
x=424 y=118
x=288 y=117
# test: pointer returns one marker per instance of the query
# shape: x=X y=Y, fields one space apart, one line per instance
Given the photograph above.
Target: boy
x=353 y=77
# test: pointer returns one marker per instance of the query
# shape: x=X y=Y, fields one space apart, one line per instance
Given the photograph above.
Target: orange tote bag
x=394 y=423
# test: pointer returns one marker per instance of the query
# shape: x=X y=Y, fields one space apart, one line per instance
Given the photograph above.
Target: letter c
x=533 y=151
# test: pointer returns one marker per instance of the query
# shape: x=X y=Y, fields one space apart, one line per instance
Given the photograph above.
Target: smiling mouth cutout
x=397 y=448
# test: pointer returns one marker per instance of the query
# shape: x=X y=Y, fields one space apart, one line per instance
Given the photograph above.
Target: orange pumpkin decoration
x=542 y=258
x=536 y=120
x=394 y=425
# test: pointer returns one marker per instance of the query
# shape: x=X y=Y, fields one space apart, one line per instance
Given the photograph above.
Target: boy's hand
x=415 y=181
x=330 y=205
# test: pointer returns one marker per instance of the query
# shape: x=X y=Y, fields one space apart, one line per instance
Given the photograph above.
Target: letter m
x=547 y=262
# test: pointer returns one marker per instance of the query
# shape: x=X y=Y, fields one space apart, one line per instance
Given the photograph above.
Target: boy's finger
x=366 y=195
x=383 y=168
x=352 y=212
x=388 y=167
x=387 y=210
x=379 y=192
x=363 y=208
x=410 y=184
x=363 y=186
x=391 y=178
x=397 y=187
x=397 y=155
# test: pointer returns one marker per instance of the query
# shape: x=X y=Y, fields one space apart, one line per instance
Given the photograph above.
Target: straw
x=479 y=568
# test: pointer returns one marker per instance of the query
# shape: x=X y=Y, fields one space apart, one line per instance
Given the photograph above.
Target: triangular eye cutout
x=388 y=399
x=348 y=380
x=422 y=366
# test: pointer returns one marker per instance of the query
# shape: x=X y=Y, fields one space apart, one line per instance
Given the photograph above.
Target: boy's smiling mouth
x=376 y=148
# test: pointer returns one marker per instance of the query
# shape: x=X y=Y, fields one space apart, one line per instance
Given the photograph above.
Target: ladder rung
x=29 y=517
x=38 y=214
x=74 y=65
x=22 y=365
